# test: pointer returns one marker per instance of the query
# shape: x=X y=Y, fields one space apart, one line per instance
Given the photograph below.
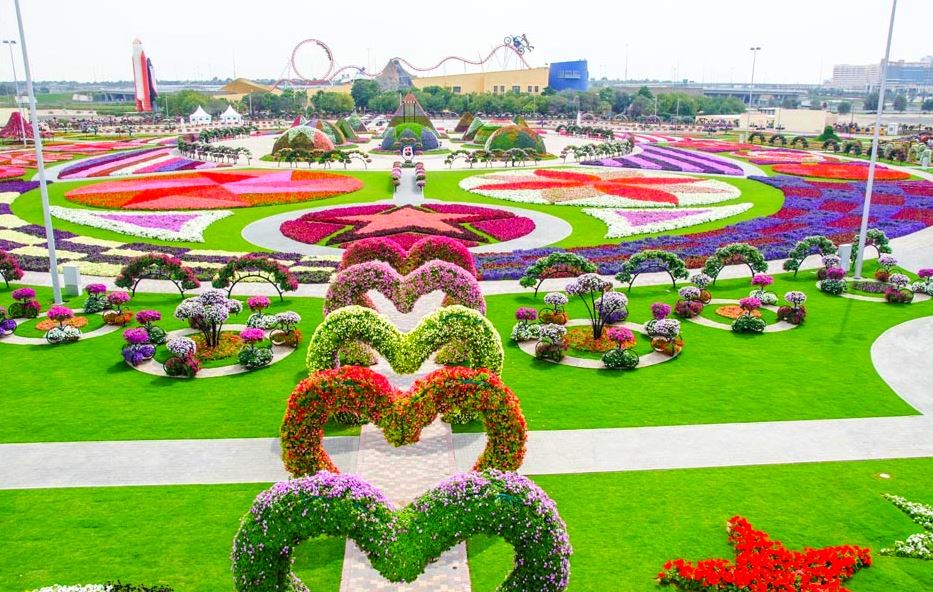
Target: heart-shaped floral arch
x=400 y=543
x=401 y=414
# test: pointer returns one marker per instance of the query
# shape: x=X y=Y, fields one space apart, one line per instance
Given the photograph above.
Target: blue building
x=569 y=76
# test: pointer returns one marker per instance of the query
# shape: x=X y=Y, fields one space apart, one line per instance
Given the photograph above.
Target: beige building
x=529 y=81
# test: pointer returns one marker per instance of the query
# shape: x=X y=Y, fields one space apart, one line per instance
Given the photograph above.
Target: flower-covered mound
x=400 y=414
x=763 y=564
x=810 y=207
x=401 y=543
x=620 y=223
x=584 y=187
x=187 y=226
x=664 y=158
x=515 y=136
x=854 y=171
x=405 y=225
x=402 y=260
x=303 y=137
x=214 y=190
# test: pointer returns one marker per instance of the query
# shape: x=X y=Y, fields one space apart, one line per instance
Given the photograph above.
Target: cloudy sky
x=90 y=40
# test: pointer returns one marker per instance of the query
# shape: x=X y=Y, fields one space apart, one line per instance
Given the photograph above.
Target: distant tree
x=645 y=92
x=927 y=105
x=363 y=90
x=871 y=101
x=900 y=103
x=844 y=108
x=641 y=106
x=789 y=103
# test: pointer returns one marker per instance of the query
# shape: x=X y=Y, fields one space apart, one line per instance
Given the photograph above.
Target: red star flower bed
x=214 y=189
x=854 y=171
x=765 y=565
x=408 y=224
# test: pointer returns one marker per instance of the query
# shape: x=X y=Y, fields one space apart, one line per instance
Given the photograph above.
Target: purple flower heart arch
x=350 y=286
x=401 y=543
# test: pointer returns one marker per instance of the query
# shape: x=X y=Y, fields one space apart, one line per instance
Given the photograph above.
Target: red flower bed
x=917 y=214
x=401 y=414
x=847 y=171
x=838 y=206
x=765 y=565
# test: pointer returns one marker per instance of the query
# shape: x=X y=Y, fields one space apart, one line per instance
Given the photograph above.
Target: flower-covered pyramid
x=214 y=189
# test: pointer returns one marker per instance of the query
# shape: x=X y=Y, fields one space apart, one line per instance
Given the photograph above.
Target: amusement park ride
x=330 y=73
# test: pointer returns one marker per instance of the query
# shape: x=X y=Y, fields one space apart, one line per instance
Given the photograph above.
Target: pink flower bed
x=11 y=172
x=506 y=229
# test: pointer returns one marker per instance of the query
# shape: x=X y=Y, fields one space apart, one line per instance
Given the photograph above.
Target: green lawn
x=719 y=377
x=623 y=527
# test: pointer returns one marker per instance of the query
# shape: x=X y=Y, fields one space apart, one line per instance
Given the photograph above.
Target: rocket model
x=143 y=78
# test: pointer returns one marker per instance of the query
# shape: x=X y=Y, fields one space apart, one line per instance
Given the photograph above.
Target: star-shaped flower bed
x=407 y=224
x=583 y=187
x=214 y=189
x=765 y=565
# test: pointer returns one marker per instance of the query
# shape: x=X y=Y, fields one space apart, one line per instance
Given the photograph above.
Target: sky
x=90 y=40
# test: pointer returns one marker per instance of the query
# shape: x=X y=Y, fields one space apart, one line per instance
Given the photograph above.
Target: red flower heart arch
x=401 y=414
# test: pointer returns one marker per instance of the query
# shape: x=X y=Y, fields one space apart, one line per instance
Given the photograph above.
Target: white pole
x=40 y=163
x=863 y=230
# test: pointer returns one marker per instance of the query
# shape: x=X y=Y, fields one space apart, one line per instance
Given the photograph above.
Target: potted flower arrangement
x=524 y=329
x=689 y=304
x=62 y=333
x=897 y=292
x=286 y=331
x=623 y=357
x=7 y=324
x=96 y=298
x=258 y=319
x=183 y=361
x=552 y=342
x=252 y=356
x=146 y=318
x=664 y=332
x=138 y=348
x=835 y=282
x=613 y=307
x=829 y=262
x=207 y=313
x=796 y=312
x=925 y=284
x=886 y=262
x=748 y=322
x=762 y=281
x=702 y=281
x=603 y=306
x=25 y=306
x=117 y=315
x=554 y=311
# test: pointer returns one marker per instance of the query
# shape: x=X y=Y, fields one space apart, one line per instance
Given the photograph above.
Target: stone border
x=15 y=339
x=771 y=328
x=918 y=297
x=265 y=231
x=650 y=359
x=154 y=368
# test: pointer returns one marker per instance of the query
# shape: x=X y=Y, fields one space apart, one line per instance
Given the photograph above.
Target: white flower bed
x=621 y=223
x=84 y=588
x=190 y=231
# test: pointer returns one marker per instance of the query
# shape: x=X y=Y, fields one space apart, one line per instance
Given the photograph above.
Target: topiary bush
x=430 y=248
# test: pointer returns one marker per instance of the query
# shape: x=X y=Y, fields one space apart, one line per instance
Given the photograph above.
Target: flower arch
x=401 y=414
x=560 y=264
x=255 y=266
x=157 y=266
x=734 y=253
x=805 y=248
x=874 y=237
x=649 y=261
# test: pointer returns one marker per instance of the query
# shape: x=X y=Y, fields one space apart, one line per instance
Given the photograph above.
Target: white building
x=231 y=117
x=852 y=77
x=199 y=117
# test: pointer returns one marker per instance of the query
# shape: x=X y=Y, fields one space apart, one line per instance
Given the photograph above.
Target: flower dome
x=515 y=136
x=303 y=137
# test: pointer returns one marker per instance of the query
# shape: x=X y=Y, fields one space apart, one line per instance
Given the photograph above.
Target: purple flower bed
x=663 y=158
x=802 y=215
x=79 y=167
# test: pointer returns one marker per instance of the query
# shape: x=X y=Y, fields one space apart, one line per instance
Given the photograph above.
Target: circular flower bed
x=847 y=171
x=214 y=189
x=406 y=225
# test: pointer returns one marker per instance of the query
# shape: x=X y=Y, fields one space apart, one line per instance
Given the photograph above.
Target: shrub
x=401 y=543
x=405 y=352
x=400 y=414
x=25 y=305
x=620 y=359
x=96 y=298
x=10 y=268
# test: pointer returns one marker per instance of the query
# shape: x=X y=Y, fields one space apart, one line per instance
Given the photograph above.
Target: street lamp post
x=863 y=229
x=751 y=87
x=40 y=163
x=10 y=43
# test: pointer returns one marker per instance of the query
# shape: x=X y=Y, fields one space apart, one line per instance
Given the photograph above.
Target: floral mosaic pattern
x=214 y=190
x=856 y=171
x=664 y=158
x=782 y=156
x=187 y=226
x=620 y=223
x=585 y=187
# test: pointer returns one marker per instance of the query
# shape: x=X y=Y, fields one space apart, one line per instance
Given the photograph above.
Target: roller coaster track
x=465 y=60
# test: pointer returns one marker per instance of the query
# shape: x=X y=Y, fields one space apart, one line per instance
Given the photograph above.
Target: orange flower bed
x=76 y=322
x=581 y=337
x=734 y=311
x=229 y=346
x=840 y=170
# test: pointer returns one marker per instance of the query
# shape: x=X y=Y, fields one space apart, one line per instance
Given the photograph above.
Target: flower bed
x=214 y=190
x=103 y=166
x=767 y=156
x=11 y=172
x=856 y=171
x=401 y=543
x=664 y=158
x=620 y=223
x=406 y=225
x=427 y=249
x=400 y=414
x=185 y=226
x=916 y=546
x=584 y=187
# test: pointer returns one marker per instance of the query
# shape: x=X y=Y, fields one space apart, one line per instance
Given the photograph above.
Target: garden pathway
x=901 y=356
